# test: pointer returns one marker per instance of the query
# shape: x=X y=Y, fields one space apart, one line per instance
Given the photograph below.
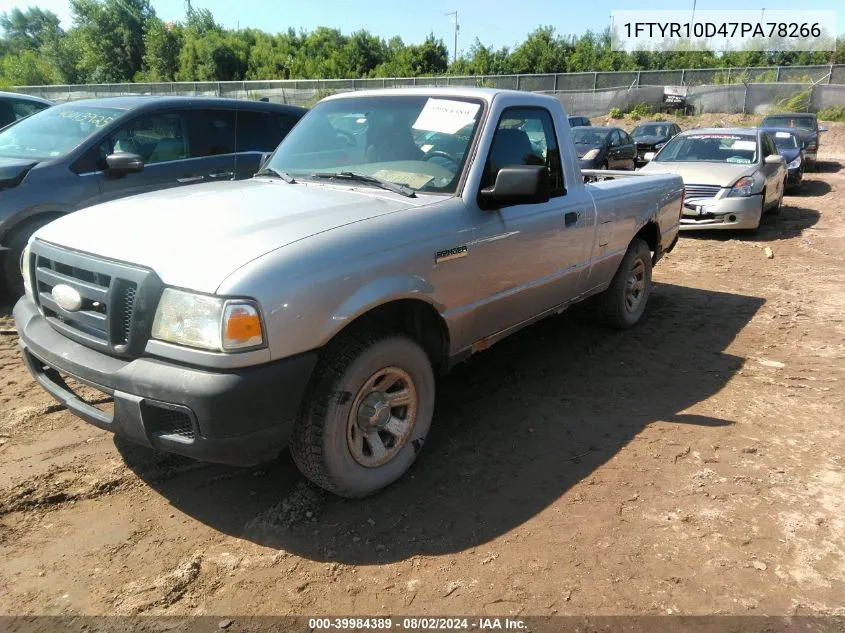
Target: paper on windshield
x=445 y=116
x=745 y=145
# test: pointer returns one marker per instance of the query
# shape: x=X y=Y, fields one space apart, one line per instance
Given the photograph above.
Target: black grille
x=166 y=422
x=126 y=305
x=108 y=317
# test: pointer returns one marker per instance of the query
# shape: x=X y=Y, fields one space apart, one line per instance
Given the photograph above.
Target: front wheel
x=12 y=278
x=624 y=302
x=366 y=416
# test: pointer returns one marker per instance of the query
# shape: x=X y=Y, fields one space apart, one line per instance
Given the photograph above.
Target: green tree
x=214 y=56
x=364 y=53
x=29 y=29
x=482 y=61
x=162 y=44
x=27 y=68
x=541 y=52
x=112 y=37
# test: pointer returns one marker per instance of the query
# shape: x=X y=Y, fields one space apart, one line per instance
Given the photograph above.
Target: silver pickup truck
x=392 y=234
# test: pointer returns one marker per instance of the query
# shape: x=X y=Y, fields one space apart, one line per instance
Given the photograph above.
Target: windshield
x=589 y=136
x=650 y=130
x=785 y=140
x=802 y=123
x=714 y=148
x=417 y=141
x=53 y=132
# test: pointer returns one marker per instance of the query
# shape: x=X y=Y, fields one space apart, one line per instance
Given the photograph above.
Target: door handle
x=571 y=217
x=184 y=179
x=222 y=174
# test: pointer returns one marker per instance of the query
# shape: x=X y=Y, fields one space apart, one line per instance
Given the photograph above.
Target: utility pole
x=454 y=16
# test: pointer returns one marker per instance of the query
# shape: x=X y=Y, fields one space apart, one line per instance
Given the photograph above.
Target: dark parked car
x=15 y=106
x=651 y=136
x=82 y=153
x=807 y=127
x=789 y=145
x=604 y=148
x=579 y=121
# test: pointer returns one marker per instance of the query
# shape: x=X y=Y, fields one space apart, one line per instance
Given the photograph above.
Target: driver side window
x=158 y=138
x=525 y=136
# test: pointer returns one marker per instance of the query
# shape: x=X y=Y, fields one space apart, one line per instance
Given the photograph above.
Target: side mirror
x=122 y=163
x=773 y=159
x=822 y=128
x=519 y=184
x=649 y=156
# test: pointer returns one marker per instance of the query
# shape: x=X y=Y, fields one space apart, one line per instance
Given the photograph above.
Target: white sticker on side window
x=445 y=116
x=782 y=134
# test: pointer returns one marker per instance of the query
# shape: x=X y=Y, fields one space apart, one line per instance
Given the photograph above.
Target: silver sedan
x=731 y=176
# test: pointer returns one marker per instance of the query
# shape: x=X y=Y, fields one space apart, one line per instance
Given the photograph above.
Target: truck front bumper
x=239 y=417
x=722 y=213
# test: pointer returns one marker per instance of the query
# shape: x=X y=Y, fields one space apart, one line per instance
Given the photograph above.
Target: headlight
x=794 y=164
x=743 y=187
x=25 y=271
x=207 y=322
x=590 y=155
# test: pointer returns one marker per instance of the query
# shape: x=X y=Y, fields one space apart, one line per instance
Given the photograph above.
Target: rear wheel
x=366 y=416
x=624 y=302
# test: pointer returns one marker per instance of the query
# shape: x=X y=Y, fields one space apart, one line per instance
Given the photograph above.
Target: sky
x=494 y=22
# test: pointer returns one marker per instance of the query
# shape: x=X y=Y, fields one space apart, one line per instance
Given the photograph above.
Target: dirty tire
x=613 y=306
x=12 y=279
x=321 y=446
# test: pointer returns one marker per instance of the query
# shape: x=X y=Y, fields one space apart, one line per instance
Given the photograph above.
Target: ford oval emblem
x=66 y=297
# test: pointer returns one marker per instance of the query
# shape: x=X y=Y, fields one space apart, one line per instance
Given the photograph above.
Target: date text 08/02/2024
x=416 y=624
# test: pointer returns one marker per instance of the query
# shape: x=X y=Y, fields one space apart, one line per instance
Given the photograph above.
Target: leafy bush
x=634 y=116
x=615 y=113
x=833 y=113
x=658 y=117
x=641 y=110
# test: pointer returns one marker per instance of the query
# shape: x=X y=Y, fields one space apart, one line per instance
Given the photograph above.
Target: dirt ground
x=693 y=465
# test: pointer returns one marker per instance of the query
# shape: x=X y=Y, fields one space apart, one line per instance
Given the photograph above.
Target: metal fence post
x=639 y=74
x=595 y=81
x=830 y=76
x=745 y=99
x=683 y=75
x=777 y=75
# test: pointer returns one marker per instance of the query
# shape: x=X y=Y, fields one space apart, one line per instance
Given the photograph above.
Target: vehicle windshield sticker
x=783 y=135
x=409 y=178
x=745 y=145
x=445 y=116
x=96 y=119
x=706 y=136
x=738 y=159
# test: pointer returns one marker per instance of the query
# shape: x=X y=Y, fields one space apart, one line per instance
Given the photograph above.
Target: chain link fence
x=728 y=90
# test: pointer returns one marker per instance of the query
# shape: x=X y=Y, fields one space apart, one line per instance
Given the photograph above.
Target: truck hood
x=704 y=173
x=194 y=237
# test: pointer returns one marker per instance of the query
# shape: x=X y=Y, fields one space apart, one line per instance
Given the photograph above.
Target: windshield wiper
x=271 y=171
x=372 y=180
